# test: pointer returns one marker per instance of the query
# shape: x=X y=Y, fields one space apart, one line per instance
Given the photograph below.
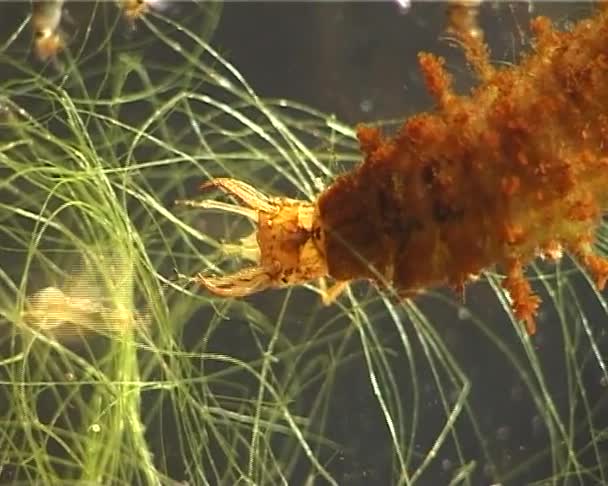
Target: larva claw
x=240 y=284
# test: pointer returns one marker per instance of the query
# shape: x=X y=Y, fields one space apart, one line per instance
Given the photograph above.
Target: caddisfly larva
x=46 y=24
x=515 y=170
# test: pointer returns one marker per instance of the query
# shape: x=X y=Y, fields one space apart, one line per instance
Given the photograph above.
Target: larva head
x=289 y=239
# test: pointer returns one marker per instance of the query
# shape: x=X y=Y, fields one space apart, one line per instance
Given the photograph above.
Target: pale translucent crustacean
x=52 y=311
x=95 y=296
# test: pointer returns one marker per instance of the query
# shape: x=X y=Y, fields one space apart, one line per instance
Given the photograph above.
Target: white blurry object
x=96 y=298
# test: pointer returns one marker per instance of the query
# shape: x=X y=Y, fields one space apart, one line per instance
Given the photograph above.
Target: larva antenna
x=249 y=195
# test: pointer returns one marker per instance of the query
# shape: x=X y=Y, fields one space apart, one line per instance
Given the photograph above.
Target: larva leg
x=248 y=280
x=240 y=284
x=524 y=301
x=331 y=294
x=409 y=293
x=597 y=265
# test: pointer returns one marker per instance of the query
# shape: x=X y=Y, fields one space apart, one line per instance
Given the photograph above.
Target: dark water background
x=358 y=61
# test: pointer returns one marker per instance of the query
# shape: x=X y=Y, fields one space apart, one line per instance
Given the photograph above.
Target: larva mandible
x=514 y=170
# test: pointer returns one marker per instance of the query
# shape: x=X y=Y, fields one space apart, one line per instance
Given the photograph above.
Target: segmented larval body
x=516 y=169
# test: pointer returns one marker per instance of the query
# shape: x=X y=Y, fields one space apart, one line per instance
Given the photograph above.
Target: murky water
x=96 y=146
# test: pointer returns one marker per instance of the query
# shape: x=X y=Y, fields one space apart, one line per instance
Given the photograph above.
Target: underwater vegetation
x=115 y=369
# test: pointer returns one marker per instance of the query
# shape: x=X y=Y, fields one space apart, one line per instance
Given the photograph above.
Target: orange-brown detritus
x=133 y=9
x=46 y=20
x=516 y=170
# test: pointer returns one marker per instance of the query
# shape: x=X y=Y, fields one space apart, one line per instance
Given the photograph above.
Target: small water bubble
x=454 y=396
x=366 y=105
x=69 y=376
x=96 y=428
x=530 y=7
x=537 y=426
x=568 y=25
x=464 y=314
x=446 y=465
x=542 y=316
x=489 y=471
x=5 y=111
x=404 y=6
x=517 y=392
x=539 y=340
x=503 y=433
x=318 y=183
